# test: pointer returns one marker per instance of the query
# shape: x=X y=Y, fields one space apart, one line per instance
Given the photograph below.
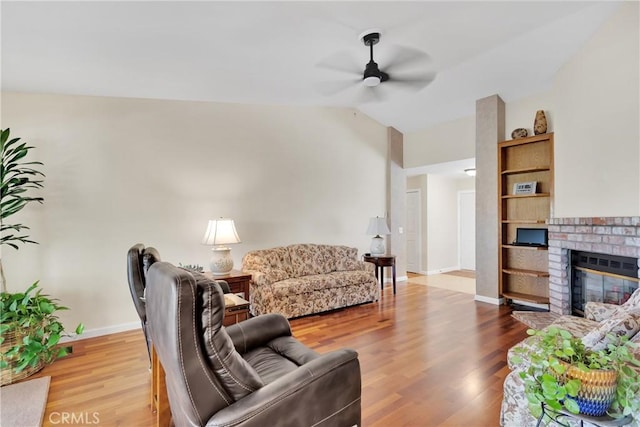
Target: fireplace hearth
x=617 y=236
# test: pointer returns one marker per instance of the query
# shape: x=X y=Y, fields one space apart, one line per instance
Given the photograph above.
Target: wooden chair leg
x=159 y=398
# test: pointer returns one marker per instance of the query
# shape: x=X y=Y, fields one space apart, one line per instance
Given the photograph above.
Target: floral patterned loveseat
x=303 y=279
x=600 y=319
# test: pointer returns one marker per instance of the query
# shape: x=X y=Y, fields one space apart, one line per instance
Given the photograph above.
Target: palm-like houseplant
x=29 y=327
x=560 y=364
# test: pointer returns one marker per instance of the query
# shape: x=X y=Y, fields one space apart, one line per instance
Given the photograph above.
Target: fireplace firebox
x=601 y=278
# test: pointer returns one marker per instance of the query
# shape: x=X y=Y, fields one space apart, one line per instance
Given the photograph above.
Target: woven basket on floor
x=8 y=375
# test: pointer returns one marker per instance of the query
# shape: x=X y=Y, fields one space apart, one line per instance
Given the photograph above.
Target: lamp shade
x=220 y=231
x=378 y=226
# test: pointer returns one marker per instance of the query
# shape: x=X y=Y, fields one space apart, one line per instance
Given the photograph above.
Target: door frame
x=419 y=226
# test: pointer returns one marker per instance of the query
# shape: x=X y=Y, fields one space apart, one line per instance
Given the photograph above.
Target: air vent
x=623 y=266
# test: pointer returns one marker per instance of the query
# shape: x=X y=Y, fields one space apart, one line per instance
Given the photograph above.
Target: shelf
x=523 y=160
x=526 y=170
x=524 y=221
x=526 y=297
x=522 y=196
x=522 y=272
x=531 y=248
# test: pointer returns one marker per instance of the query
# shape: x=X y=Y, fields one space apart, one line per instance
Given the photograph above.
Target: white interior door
x=467 y=224
x=413 y=231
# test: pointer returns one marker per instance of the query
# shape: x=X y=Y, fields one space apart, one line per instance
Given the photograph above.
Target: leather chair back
x=174 y=309
x=139 y=259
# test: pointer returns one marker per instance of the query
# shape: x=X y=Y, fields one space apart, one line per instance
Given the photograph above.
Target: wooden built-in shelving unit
x=524 y=271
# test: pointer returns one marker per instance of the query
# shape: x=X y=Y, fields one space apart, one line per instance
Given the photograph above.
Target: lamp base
x=221 y=261
x=377 y=246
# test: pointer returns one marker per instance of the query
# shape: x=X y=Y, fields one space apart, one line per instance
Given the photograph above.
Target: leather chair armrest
x=224 y=286
x=258 y=331
x=303 y=397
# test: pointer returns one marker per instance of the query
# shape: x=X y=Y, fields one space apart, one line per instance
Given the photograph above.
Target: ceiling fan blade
x=402 y=57
x=368 y=94
x=330 y=88
x=411 y=81
x=343 y=61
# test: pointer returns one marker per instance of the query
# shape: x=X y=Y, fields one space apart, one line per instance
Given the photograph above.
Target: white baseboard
x=98 y=332
x=398 y=279
x=489 y=300
x=440 y=270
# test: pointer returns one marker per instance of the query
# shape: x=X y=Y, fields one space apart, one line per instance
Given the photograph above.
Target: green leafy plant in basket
x=559 y=363
x=30 y=330
x=29 y=327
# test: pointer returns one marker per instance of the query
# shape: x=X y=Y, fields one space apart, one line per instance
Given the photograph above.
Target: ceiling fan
x=407 y=68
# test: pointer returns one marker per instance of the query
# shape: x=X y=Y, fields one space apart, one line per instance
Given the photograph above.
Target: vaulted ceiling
x=272 y=52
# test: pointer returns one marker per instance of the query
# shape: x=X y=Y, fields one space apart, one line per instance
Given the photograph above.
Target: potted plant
x=29 y=333
x=561 y=367
x=29 y=327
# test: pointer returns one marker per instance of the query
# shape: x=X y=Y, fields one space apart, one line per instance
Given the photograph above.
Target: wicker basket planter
x=8 y=374
x=31 y=333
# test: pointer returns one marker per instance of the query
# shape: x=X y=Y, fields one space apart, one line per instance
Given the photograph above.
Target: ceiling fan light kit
x=372 y=75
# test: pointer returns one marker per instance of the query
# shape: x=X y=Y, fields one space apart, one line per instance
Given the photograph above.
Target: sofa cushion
x=345 y=257
x=623 y=323
x=350 y=278
x=236 y=375
x=309 y=259
x=301 y=285
x=275 y=262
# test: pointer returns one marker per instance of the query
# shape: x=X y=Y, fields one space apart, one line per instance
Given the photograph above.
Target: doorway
x=467 y=231
x=413 y=231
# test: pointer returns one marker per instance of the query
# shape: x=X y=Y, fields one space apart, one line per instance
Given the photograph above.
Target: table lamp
x=378 y=226
x=221 y=232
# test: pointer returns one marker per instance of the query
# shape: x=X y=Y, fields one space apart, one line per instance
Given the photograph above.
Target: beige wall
x=445 y=142
x=597 y=140
x=439 y=222
x=122 y=171
x=442 y=226
x=593 y=107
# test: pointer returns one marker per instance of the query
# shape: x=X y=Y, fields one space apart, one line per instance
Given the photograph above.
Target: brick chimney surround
x=605 y=235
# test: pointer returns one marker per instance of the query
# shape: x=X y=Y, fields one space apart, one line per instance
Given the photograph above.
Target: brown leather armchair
x=253 y=373
x=139 y=259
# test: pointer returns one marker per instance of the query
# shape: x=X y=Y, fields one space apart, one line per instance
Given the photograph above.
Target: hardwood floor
x=429 y=357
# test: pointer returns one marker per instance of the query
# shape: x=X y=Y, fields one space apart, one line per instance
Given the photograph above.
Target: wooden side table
x=237 y=280
x=236 y=309
x=382 y=261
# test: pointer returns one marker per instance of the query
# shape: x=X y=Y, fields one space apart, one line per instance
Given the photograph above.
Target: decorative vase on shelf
x=540 y=123
x=519 y=133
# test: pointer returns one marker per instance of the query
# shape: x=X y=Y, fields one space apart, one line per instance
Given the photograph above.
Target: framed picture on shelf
x=525 y=187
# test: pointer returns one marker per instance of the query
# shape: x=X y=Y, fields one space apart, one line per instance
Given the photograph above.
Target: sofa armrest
x=599 y=311
x=258 y=331
x=357 y=265
x=329 y=384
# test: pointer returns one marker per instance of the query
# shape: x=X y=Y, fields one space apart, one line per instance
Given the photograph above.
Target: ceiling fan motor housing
x=372 y=75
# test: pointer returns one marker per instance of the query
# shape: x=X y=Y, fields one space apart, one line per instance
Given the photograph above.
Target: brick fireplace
x=605 y=235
